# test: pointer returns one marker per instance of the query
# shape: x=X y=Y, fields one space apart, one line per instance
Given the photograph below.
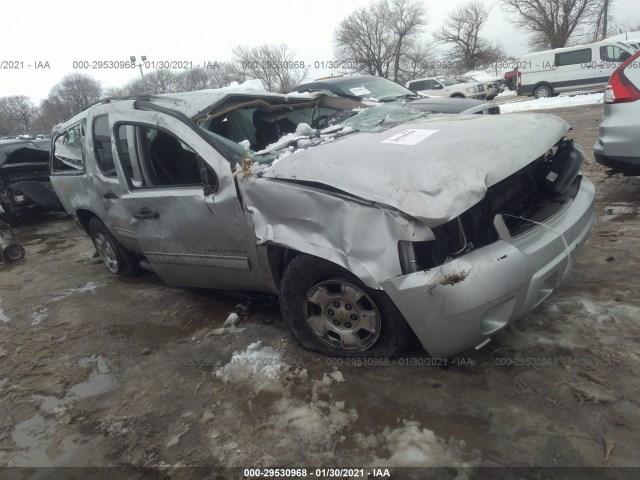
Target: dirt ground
x=99 y=370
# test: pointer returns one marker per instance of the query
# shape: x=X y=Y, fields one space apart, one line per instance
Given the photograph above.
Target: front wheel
x=115 y=257
x=332 y=312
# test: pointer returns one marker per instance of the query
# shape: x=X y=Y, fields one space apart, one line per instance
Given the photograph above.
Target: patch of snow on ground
x=413 y=446
x=619 y=208
x=553 y=102
x=312 y=424
x=39 y=315
x=507 y=93
x=87 y=287
x=259 y=365
x=3 y=317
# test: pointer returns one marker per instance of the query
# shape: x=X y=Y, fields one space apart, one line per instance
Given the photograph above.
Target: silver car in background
x=372 y=225
x=618 y=144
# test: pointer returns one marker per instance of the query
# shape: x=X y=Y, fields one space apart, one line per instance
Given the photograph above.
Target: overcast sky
x=72 y=30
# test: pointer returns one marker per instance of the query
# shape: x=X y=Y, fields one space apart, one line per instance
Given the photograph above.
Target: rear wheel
x=332 y=312
x=12 y=253
x=115 y=257
x=457 y=95
x=543 y=91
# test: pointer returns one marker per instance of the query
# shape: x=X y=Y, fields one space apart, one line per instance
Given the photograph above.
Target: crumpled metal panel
x=8 y=147
x=420 y=167
x=361 y=237
x=462 y=303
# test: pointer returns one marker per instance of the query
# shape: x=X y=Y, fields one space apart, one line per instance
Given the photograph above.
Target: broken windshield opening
x=383 y=117
x=266 y=131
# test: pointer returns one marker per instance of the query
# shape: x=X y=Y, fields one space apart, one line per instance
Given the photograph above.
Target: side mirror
x=437 y=86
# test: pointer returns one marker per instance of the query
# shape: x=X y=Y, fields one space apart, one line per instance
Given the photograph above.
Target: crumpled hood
x=432 y=169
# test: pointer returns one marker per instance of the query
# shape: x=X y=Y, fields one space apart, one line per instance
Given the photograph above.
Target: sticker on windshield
x=409 y=137
x=359 y=91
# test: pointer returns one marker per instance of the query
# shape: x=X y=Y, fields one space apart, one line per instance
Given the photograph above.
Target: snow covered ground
x=553 y=102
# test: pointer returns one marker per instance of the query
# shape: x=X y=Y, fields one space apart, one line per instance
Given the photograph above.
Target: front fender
x=362 y=237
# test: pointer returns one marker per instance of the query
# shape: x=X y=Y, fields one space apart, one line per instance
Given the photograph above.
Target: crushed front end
x=498 y=260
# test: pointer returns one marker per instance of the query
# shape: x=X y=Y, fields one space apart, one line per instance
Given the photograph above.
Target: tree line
x=386 y=38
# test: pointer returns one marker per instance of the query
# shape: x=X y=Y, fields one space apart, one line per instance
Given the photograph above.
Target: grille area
x=525 y=197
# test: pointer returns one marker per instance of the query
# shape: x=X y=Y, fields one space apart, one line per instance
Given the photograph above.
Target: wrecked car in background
x=378 y=89
x=371 y=224
x=24 y=178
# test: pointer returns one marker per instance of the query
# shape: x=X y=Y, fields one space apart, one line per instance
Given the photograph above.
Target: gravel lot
x=99 y=370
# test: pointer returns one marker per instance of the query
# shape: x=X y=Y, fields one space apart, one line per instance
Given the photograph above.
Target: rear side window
x=611 y=53
x=418 y=85
x=575 y=57
x=68 y=153
x=102 y=146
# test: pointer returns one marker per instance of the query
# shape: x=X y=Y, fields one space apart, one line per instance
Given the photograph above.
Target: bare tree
x=378 y=39
x=17 y=114
x=156 y=82
x=22 y=111
x=72 y=93
x=552 y=22
x=462 y=30
x=219 y=75
x=6 y=124
x=276 y=66
x=603 y=20
x=49 y=114
x=417 y=62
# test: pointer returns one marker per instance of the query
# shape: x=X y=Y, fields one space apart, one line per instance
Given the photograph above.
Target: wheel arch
x=280 y=256
x=84 y=216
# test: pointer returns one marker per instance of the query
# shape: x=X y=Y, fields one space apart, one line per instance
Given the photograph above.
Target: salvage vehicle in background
x=379 y=89
x=446 y=87
x=583 y=67
x=618 y=144
x=372 y=225
x=24 y=178
x=492 y=85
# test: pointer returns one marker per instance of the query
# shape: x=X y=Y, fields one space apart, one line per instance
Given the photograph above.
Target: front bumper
x=462 y=304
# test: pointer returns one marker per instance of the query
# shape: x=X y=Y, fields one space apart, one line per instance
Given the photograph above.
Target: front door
x=183 y=204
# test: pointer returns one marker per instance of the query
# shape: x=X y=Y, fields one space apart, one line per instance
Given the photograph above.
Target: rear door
x=108 y=187
x=183 y=204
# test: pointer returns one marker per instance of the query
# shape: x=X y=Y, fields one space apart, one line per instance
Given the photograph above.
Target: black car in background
x=24 y=178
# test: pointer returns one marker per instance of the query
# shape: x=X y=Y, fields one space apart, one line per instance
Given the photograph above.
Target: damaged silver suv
x=371 y=224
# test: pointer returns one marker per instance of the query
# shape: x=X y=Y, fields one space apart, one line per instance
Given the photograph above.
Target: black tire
x=457 y=95
x=12 y=253
x=305 y=276
x=543 y=91
x=115 y=257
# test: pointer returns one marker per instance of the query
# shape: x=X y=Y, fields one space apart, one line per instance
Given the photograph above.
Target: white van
x=629 y=38
x=584 y=67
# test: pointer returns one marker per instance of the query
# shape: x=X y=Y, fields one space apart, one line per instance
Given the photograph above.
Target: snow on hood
x=431 y=169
